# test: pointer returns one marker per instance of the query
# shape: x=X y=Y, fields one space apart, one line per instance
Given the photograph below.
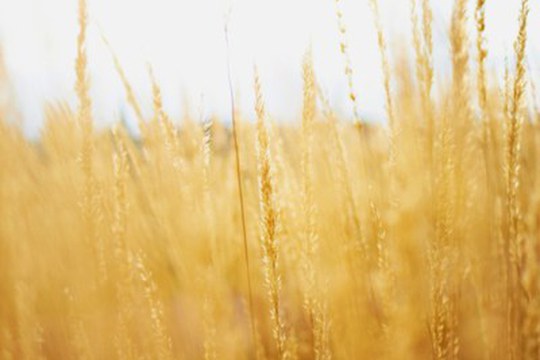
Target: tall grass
x=306 y=240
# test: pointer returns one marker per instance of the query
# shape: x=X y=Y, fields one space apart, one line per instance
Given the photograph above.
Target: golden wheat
x=299 y=240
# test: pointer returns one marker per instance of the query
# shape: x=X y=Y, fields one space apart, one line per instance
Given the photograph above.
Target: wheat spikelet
x=161 y=341
x=480 y=17
x=392 y=123
x=460 y=52
x=442 y=254
x=381 y=42
x=418 y=44
x=130 y=94
x=427 y=21
x=216 y=262
x=423 y=47
x=514 y=241
x=313 y=304
x=82 y=88
x=207 y=147
x=85 y=121
x=168 y=131
x=344 y=49
x=121 y=171
x=269 y=224
x=310 y=238
x=488 y=136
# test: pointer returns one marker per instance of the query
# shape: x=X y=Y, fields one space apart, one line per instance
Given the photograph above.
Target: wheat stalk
x=238 y=170
x=130 y=93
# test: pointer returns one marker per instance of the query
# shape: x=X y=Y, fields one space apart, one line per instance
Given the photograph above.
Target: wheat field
x=324 y=238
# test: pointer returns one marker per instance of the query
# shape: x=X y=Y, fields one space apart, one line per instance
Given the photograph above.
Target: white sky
x=184 y=41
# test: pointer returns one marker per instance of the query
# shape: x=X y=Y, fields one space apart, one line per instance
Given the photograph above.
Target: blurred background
x=185 y=43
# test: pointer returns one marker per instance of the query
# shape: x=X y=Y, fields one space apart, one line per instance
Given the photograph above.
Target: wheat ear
x=269 y=223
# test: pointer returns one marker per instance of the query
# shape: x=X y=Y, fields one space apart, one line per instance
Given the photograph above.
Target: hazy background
x=184 y=41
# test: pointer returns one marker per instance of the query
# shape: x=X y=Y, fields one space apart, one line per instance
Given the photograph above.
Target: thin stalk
x=240 y=189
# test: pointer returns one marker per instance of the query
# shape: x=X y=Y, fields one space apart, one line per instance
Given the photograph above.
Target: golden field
x=326 y=238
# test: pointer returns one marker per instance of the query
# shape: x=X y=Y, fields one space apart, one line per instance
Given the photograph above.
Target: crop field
x=327 y=237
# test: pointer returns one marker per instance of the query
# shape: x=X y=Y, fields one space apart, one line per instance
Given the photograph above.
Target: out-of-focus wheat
x=373 y=244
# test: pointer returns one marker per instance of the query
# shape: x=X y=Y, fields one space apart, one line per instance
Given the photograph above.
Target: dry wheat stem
x=240 y=189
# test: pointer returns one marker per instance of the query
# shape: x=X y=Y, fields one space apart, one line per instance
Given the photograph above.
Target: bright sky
x=184 y=41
